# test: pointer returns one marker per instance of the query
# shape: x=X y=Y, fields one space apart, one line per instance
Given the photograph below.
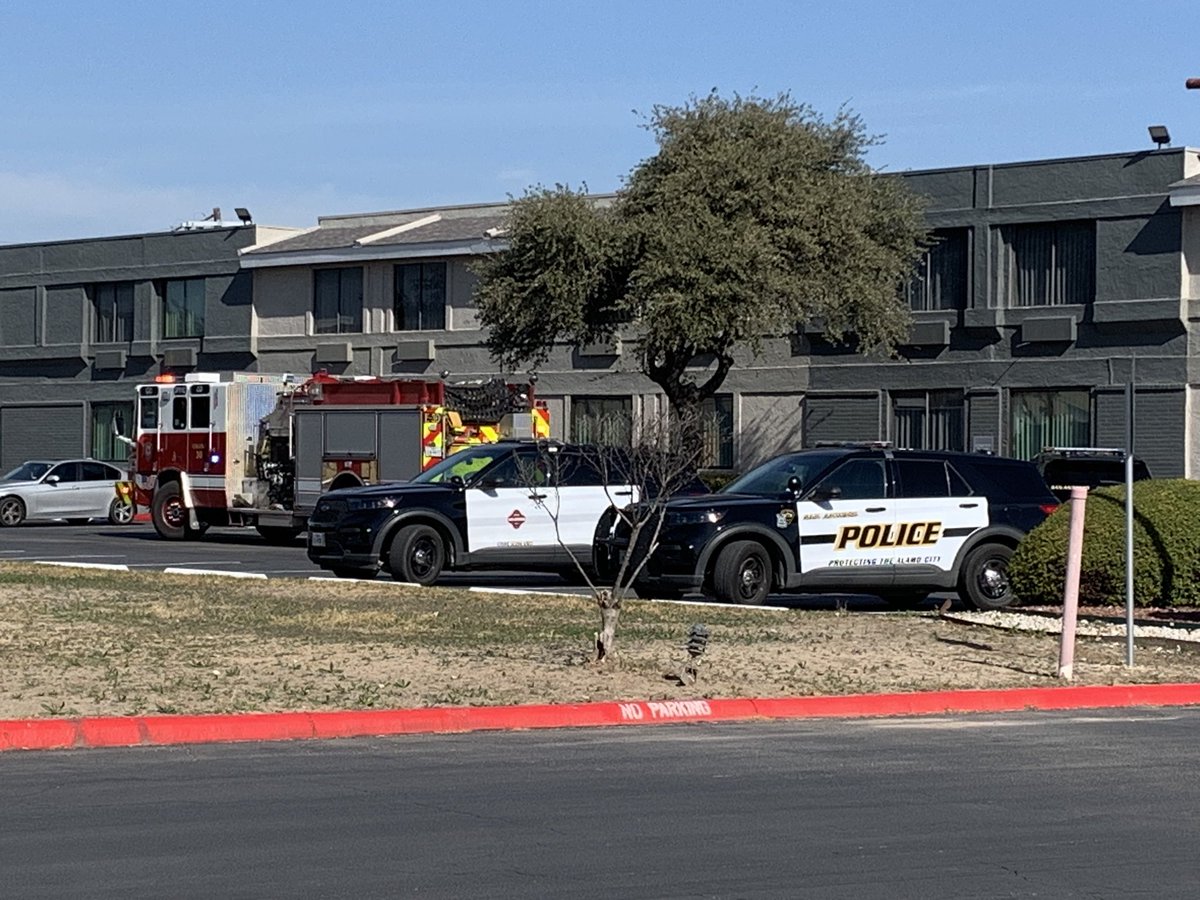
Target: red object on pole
x=1066 y=647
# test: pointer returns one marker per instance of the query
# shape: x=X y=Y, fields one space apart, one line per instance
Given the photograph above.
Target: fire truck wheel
x=12 y=511
x=276 y=535
x=120 y=513
x=417 y=554
x=169 y=514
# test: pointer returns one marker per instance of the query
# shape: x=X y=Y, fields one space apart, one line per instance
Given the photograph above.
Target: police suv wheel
x=743 y=573
x=417 y=555
x=985 y=583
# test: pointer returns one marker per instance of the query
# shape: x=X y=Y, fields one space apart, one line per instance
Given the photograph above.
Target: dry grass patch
x=88 y=642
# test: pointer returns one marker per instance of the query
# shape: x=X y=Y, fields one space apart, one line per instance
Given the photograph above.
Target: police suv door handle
x=876 y=509
x=537 y=496
x=968 y=505
x=622 y=493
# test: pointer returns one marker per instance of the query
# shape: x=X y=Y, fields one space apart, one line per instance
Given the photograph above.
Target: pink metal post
x=1066 y=647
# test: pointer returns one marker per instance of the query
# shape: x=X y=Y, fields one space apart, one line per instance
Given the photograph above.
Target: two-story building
x=1050 y=285
x=82 y=321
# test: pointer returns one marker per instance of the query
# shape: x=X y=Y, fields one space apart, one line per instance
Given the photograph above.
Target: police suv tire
x=169 y=514
x=417 y=554
x=743 y=573
x=984 y=579
x=120 y=513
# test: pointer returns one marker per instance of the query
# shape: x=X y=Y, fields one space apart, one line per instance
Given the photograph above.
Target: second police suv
x=856 y=518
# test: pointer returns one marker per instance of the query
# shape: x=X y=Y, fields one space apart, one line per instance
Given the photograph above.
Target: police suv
x=850 y=518
x=512 y=504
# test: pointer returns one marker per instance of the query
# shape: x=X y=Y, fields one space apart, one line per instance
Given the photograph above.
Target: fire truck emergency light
x=165 y=379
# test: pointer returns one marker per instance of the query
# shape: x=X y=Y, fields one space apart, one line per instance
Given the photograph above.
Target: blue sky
x=126 y=117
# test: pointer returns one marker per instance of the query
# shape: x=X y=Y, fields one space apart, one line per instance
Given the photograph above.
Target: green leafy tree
x=754 y=216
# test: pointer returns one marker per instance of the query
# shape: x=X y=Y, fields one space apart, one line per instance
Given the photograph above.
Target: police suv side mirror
x=456 y=481
x=795 y=486
x=827 y=493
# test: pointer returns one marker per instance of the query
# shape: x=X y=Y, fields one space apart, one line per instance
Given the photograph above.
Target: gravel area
x=1085 y=626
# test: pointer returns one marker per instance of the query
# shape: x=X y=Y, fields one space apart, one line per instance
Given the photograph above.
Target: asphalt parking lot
x=240 y=551
x=227 y=550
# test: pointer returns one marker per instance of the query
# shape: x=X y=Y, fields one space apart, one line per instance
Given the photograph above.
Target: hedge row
x=1166 y=549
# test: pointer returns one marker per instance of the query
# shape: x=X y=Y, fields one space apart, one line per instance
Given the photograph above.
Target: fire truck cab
x=258 y=450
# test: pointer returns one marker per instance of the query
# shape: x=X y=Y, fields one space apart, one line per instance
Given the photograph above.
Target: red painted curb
x=122 y=731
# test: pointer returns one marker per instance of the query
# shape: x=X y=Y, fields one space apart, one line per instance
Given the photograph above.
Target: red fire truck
x=258 y=450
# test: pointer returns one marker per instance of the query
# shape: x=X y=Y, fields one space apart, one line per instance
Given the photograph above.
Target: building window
x=183 y=308
x=105 y=445
x=602 y=420
x=113 y=306
x=940 y=281
x=930 y=420
x=716 y=425
x=1049 y=419
x=1050 y=264
x=337 y=301
x=420 y=302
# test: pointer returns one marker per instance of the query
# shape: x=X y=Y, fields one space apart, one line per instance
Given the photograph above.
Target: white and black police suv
x=509 y=505
x=900 y=524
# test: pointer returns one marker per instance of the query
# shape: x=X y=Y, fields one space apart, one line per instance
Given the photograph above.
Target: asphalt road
x=1056 y=805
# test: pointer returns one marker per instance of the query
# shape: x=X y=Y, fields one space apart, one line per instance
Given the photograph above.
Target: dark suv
x=860 y=519
x=511 y=505
x=1090 y=467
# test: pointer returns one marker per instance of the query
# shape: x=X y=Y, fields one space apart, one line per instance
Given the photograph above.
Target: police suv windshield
x=464 y=464
x=771 y=478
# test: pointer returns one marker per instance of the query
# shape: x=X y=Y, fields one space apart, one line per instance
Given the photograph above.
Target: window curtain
x=1049 y=419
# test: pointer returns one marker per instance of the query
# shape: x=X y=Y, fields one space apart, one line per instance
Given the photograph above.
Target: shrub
x=1166 y=548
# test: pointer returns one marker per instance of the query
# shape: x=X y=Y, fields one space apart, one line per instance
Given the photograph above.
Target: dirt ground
x=80 y=642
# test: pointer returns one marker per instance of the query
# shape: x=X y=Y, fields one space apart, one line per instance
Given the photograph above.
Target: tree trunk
x=610 y=611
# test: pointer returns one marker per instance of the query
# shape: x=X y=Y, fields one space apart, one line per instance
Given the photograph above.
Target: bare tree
x=661 y=461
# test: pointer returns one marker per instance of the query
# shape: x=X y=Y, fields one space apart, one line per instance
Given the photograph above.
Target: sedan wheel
x=12 y=511
x=120 y=513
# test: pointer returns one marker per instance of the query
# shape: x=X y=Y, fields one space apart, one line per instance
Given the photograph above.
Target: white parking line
x=114 y=567
x=93 y=556
x=186 y=562
x=215 y=572
x=500 y=590
x=713 y=603
x=393 y=583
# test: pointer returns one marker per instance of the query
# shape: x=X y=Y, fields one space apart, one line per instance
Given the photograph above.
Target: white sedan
x=76 y=490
